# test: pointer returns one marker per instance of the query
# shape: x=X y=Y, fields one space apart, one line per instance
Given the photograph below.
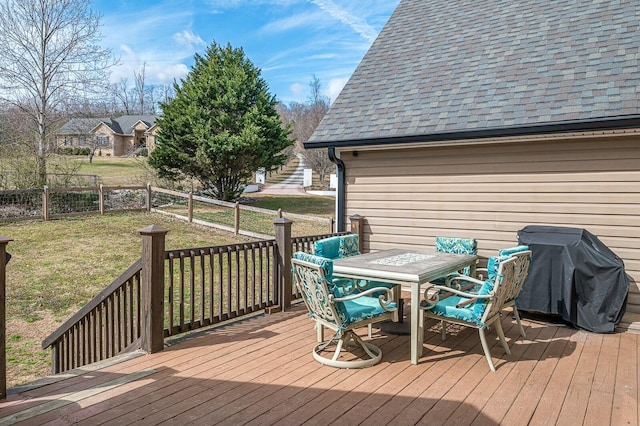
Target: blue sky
x=289 y=40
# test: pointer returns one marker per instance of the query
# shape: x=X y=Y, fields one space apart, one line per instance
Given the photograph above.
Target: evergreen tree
x=221 y=126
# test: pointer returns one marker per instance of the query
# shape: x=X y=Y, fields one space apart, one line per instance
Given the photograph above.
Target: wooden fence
x=51 y=203
x=165 y=293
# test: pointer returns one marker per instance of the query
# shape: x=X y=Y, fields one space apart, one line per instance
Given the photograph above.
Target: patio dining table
x=404 y=267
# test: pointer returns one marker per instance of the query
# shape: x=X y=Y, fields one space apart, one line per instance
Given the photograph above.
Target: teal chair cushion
x=337 y=247
x=349 y=246
x=493 y=263
x=350 y=311
x=457 y=246
x=328 y=247
x=511 y=250
x=471 y=313
x=362 y=308
x=326 y=264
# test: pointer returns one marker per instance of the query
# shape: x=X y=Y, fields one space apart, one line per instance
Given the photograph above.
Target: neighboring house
x=475 y=119
x=118 y=137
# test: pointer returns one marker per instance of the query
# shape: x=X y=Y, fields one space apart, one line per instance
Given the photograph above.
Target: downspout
x=340 y=208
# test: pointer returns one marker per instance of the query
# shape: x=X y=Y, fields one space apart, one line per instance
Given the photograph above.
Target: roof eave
x=606 y=123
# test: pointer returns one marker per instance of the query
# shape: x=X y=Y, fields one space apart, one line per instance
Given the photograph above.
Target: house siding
x=490 y=191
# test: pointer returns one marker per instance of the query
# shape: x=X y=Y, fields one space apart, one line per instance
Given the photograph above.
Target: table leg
x=417 y=327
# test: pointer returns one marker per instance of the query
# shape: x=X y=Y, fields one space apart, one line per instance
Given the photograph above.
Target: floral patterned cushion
x=457 y=246
x=326 y=264
x=349 y=246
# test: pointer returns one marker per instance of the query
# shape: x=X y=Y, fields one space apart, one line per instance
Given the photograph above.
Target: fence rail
x=50 y=203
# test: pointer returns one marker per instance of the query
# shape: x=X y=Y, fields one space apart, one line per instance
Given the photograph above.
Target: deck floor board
x=260 y=371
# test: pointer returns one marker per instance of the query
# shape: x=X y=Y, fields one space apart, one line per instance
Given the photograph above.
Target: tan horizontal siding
x=489 y=192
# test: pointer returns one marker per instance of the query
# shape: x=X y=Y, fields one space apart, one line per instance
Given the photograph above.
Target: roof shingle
x=443 y=66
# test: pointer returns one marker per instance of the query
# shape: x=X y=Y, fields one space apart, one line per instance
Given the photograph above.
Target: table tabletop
x=400 y=266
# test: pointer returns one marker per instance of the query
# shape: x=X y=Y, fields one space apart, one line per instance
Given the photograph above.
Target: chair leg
x=338 y=349
x=319 y=332
x=485 y=348
x=349 y=339
x=370 y=327
x=503 y=340
x=517 y=316
x=443 y=330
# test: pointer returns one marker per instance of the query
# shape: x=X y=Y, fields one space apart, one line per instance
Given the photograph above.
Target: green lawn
x=116 y=171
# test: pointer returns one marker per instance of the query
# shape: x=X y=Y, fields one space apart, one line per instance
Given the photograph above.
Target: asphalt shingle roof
x=122 y=125
x=442 y=66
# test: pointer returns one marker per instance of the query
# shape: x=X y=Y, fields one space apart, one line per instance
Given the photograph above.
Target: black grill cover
x=573 y=274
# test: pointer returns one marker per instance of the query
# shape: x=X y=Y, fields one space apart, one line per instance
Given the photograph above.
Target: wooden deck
x=260 y=372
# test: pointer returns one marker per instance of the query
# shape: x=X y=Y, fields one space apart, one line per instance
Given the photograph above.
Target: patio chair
x=480 y=307
x=458 y=246
x=332 y=303
x=341 y=246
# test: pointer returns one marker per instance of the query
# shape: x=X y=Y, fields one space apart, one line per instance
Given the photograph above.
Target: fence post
x=153 y=238
x=283 y=261
x=148 y=197
x=3 y=316
x=357 y=227
x=45 y=203
x=236 y=219
x=101 y=201
x=190 y=204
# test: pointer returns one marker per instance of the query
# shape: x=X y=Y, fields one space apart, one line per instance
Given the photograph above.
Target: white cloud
x=298 y=89
x=299 y=20
x=188 y=39
x=357 y=23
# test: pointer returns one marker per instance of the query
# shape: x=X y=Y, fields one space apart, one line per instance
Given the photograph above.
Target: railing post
x=190 y=205
x=332 y=226
x=283 y=261
x=45 y=203
x=153 y=238
x=101 y=200
x=357 y=227
x=148 y=197
x=236 y=219
x=3 y=316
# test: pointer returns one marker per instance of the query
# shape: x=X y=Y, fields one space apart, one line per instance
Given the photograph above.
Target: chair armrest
x=451 y=281
x=432 y=295
x=347 y=285
x=385 y=299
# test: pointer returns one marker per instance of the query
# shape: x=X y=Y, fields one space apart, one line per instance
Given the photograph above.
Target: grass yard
x=117 y=171
x=59 y=265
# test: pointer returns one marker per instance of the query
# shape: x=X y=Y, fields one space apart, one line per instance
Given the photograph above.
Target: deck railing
x=106 y=326
x=165 y=293
x=3 y=317
x=213 y=284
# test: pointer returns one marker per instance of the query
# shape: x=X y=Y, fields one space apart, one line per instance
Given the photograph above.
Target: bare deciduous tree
x=304 y=118
x=49 y=55
x=139 y=88
x=123 y=95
